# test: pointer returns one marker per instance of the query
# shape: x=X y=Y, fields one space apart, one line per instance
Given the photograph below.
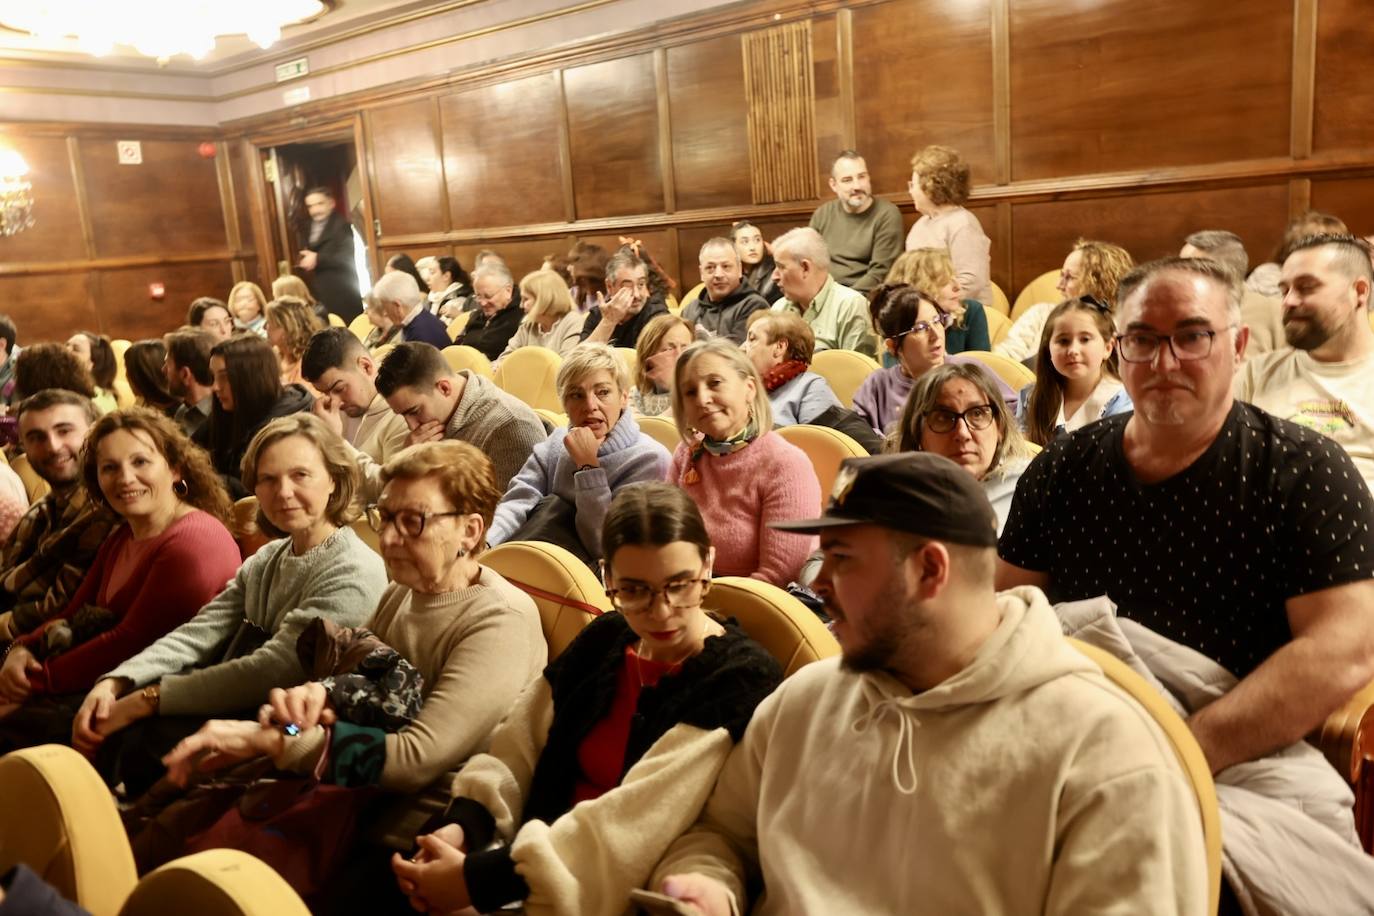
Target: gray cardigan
x=801 y=400
x=341 y=579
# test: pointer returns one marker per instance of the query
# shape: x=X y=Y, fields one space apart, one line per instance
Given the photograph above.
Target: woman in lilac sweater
x=741 y=474
x=600 y=450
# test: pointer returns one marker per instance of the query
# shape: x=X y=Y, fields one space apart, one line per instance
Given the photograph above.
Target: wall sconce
x=16 y=193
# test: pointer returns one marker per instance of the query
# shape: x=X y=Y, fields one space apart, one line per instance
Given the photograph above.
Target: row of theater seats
x=77 y=844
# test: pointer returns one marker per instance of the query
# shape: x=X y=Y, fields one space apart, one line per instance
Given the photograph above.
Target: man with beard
x=57 y=539
x=1326 y=381
x=1245 y=537
x=905 y=741
x=336 y=363
x=863 y=233
x=187 y=370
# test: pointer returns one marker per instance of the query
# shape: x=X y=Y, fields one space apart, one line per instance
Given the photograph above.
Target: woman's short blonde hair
x=942 y=175
x=722 y=348
x=548 y=295
x=254 y=288
x=587 y=358
x=789 y=326
x=929 y=270
x=291 y=285
x=464 y=474
x=298 y=321
x=650 y=339
x=342 y=507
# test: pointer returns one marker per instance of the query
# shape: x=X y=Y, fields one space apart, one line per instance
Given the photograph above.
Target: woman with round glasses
x=610 y=755
x=912 y=327
x=958 y=410
x=475 y=638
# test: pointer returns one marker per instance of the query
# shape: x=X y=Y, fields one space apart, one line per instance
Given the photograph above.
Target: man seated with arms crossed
x=1245 y=537
x=1324 y=379
x=339 y=367
x=959 y=757
x=56 y=541
x=436 y=403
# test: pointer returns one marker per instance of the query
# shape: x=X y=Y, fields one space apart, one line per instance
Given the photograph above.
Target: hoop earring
x=181 y=488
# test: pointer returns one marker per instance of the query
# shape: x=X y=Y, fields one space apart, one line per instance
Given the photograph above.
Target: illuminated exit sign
x=292 y=69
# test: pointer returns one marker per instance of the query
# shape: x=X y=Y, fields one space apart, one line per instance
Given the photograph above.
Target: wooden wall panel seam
x=565 y=151
x=1299 y=197
x=83 y=205
x=999 y=12
x=444 y=197
x=1302 y=120
x=369 y=229
x=225 y=180
x=667 y=173
x=844 y=65
x=30 y=268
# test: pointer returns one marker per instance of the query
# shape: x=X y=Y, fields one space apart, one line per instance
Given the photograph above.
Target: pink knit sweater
x=769 y=480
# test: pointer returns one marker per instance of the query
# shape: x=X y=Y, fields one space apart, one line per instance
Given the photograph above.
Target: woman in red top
x=170 y=556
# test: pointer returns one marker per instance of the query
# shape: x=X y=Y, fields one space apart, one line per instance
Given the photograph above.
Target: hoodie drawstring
x=906 y=740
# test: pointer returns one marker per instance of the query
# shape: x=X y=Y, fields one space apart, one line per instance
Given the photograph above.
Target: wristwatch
x=152 y=695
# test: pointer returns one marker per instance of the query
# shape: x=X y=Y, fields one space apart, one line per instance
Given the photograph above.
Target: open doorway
x=340 y=274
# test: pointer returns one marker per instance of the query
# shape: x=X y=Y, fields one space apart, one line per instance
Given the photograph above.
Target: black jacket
x=335 y=279
x=627 y=334
x=727 y=318
x=227 y=450
x=490 y=335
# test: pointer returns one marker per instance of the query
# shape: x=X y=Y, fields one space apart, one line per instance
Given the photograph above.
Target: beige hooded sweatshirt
x=1025 y=784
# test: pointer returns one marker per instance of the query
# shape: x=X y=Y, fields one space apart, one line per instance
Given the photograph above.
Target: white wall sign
x=130 y=152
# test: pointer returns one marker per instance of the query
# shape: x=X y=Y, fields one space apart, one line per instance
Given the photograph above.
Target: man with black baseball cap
x=959 y=757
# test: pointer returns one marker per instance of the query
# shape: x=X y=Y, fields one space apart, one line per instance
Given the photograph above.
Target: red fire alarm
x=156 y=290
x=206 y=150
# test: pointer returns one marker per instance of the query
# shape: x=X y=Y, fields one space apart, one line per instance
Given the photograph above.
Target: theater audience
x=292 y=286
x=384 y=331
x=657 y=350
x=563 y=491
x=143 y=363
x=290 y=322
x=1262 y=525
x=498 y=311
x=1078 y=381
x=41 y=366
x=587 y=268
x=957 y=410
x=1263 y=315
x=1264 y=279
x=837 y=314
x=249 y=307
x=404 y=306
x=620 y=320
x=242 y=643
x=756 y=261
x=939 y=188
x=170 y=556
x=438 y=403
x=940 y=682
x=474 y=638
x=913 y=328
x=350 y=405
x=741 y=474
x=248 y=394
x=9 y=338
x=932 y=272
x=450 y=288
x=56 y=540
x=862 y=233
x=405 y=265
x=212 y=316
x=96 y=355
x=608 y=756
x=1324 y=379
x=723 y=306
x=780 y=345
x=186 y=370
x=1090 y=269
x=551 y=319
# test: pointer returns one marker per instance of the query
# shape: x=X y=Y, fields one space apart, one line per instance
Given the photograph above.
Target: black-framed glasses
x=942 y=320
x=637 y=597
x=941 y=420
x=408 y=522
x=1186 y=345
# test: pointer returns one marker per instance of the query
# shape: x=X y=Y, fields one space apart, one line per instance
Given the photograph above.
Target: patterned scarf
x=783 y=373
x=719 y=447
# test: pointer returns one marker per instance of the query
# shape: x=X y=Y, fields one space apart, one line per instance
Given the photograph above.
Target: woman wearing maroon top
x=630 y=725
x=171 y=555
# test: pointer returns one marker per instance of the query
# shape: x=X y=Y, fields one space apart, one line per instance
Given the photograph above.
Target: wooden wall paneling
x=779 y=80
x=1123 y=84
x=657 y=242
x=1304 y=78
x=565 y=166
x=56 y=234
x=1299 y=196
x=999 y=15
x=1344 y=94
x=1148 y=225
x=664 y=108
x=83 y=198
x=408 y=186
x=613 y=137
x=170 y=204
x=1352 y=199
x=828 y=98
x=233 y=239
x=241 y=158
x=710 y=124
x=844 y=74
x=504 y=170
x=925 y=76
x=124 y=308
x=520 y=255
x=48 y=306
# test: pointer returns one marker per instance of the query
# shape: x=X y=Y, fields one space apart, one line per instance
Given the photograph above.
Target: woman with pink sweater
x=741 y=474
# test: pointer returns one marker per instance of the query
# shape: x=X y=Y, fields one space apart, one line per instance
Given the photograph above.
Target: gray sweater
x=340 y=579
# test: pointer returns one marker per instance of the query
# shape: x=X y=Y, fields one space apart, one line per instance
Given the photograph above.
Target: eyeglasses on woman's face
x=943 y=420
x=409 y=523
x=942 y=320
x=637 y=597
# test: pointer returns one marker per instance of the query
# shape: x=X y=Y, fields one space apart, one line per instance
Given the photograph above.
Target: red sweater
x=178 y=571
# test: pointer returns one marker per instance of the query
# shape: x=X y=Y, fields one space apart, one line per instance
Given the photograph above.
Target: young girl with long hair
x=1078 y=382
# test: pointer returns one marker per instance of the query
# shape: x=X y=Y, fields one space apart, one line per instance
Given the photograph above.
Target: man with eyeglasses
x=1324 y=380
x=1245 y=537
x=498 y=310
x=620 y=319
x=960 y=756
